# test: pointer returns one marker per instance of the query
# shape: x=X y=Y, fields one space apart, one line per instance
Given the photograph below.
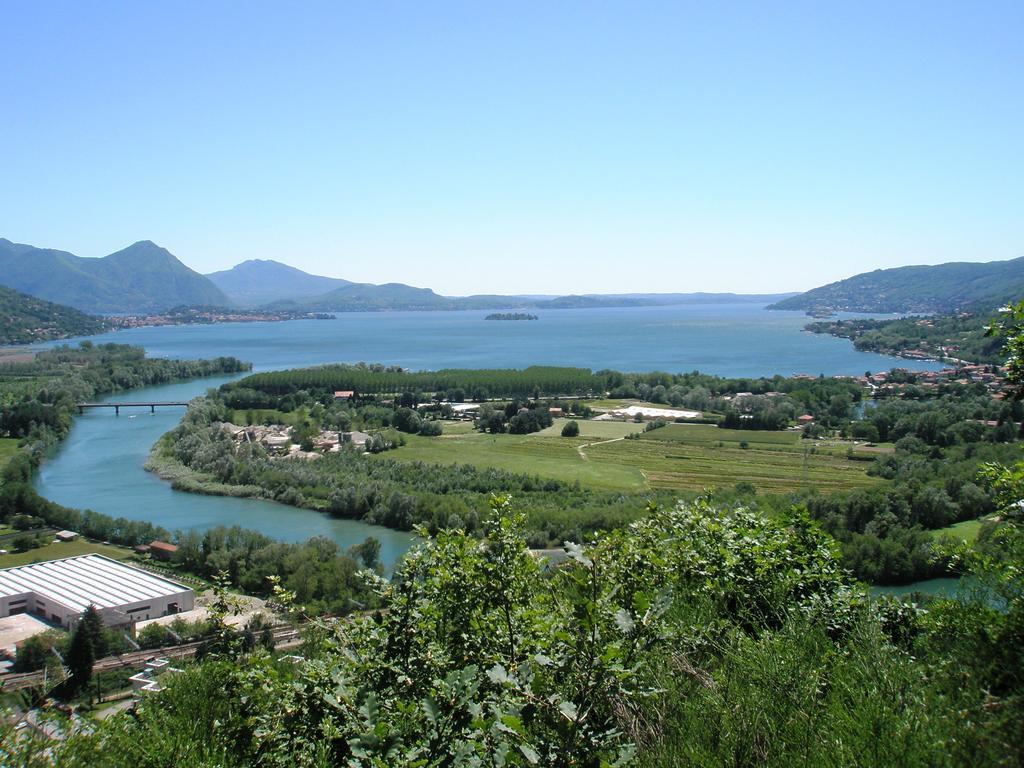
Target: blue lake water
x=99 y=466
x=739 y=339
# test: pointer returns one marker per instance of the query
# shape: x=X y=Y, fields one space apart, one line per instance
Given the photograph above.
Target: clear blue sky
x=520 y=147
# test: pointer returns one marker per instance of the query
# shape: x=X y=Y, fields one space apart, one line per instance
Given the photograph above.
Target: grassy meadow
x=554 y=457
x=675 y=457
x=64 y=549
x=968 y=530
x=8 y=446
x=595 y=430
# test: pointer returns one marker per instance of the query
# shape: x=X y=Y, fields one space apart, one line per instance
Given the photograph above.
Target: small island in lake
x=511 y=316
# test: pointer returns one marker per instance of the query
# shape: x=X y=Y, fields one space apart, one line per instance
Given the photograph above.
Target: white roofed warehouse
x=60 y=590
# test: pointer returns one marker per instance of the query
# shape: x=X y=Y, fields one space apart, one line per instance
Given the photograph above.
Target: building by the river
x=60 y=590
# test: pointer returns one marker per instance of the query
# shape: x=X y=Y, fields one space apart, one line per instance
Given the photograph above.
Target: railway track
x=15 y=681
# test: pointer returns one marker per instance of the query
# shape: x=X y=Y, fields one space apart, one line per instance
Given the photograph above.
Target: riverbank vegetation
x=37 y=403
x=37 y=406
x=38 y=397
x=200 y=456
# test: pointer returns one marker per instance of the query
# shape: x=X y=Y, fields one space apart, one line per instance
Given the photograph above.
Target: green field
x=597 y=430
x=554 y=457
x=8 y=446
x=967 y=530
x=708 y=434
x=675 y=457
x=64 y=549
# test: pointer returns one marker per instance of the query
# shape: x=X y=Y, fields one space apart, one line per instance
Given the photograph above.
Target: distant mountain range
x=278 y=286
x=25 y=319
x=944 y=288
x=395 y=296
x=141 y=278
x=145 y=279
x=258 y=282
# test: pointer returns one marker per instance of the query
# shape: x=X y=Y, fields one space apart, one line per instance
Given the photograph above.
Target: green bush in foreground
x=699 y=636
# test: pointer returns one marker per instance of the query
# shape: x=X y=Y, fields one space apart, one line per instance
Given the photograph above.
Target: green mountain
x=25 y=319
x=953 y=287
x=141 y=278
x=257 y=282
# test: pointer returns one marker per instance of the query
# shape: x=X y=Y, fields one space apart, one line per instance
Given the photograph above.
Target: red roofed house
x=161 y=550
x=805 y=419
x=344 y=394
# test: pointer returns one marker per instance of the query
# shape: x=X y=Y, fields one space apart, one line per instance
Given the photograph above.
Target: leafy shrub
x=430 y=428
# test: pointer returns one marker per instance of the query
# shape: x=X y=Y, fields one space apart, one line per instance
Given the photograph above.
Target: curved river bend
x=100 y=465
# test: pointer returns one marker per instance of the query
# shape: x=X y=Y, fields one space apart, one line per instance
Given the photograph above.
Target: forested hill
x=25 y=319
x=140 y=278
x=943 y=288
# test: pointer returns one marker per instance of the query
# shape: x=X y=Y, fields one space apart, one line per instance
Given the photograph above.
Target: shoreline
x=902 y=354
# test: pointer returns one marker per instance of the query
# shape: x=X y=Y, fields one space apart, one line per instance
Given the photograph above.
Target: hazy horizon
x=535 y=149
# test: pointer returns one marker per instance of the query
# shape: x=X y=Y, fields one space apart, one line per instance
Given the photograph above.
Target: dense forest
x=25 y=319
x=941 y=337
x=475 y=384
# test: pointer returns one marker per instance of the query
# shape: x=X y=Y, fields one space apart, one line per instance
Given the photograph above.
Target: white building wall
x=52 y=608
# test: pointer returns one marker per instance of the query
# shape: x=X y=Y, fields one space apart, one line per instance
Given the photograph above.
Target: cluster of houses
x=991 y=376
x=277 y=441
x=881 y=383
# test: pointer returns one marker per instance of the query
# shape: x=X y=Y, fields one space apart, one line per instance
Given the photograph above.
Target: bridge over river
x=118 y=406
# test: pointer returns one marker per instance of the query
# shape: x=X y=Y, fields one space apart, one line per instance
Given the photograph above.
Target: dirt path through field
x=583 y=455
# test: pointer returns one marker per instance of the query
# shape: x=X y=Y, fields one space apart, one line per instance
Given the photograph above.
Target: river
x=941 y=587
x=99 y=466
